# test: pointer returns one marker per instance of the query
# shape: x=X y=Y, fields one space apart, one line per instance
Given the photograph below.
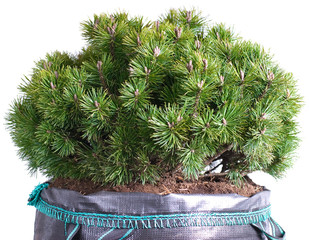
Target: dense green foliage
x=143 y=98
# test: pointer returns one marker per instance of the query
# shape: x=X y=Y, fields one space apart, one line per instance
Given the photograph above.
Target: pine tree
x=143 y=98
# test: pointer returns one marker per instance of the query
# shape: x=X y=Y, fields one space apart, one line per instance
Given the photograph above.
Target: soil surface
x=170 y=183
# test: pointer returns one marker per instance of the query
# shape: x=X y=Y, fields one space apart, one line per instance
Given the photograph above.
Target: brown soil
x=168 y=184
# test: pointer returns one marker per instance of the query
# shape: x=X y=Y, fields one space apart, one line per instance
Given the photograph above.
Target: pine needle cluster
x=143 y=98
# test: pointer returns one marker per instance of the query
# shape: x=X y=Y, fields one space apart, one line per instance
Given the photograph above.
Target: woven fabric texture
x=65 y=214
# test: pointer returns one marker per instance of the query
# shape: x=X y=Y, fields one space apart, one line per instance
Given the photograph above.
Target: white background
x=29 y=29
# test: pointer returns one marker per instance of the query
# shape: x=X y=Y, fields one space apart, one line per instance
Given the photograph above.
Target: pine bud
x=80 y=84
x=96 y=104
x=218 y=36
x=156 y=52
x=114 y=27
x=178 y=31
x=263 y=116
x=198 y=44
x=190 y=66
x=263 y=131
x=208 y=125
x=112 y=30
x=270 y=76
x=147 y=71
x=157 y=25
x=170 y=125
x=205 y=64
x=221 y=79
x=288 y=94
x=75 y=98
x=112 y=18
x=49 y=64
x=242 y=75
x=131 y=70
x=99 y=65
x=189 y=16
x=192 y=150
x=179 y=118
x=56 y=74
x=95 y=27
x=139 y=42
x=136 y=93
x=44 y=66
x=200 y=84
x=224 y=121
x=52 y=85
x=109 y=30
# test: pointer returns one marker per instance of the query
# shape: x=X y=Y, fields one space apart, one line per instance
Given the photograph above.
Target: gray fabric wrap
x=145 y=204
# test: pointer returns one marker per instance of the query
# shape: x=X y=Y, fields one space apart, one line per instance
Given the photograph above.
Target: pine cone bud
x=136 y=93
x=56 y=74
x=218 y=36
x=270 y=76
x=288 y=94
x=263 y=116
x=205 y=64
x=221 y=79
x=156 y=52
x=200 y=84
x=147 y=71
x=157 y=25
x=242 y=75
x=224 y=122
x=208 y=125
x=99 y=65
x=178 y=31
x=95 y=27
x=198 y=44
x=52 y=85
x=75 y=98
x=109 y=30
x=139 y=42
x=190 y=66
x=49 y=64
x=263 y=131
x=112 y=18
x=96 y=104
x=189 y=16
x=131 y=70
x=192 y=150
x=112 y=30
x=179 y=118
x=170 y=125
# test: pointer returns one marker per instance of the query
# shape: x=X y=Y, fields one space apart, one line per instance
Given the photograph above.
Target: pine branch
x=216 y=174
x=218 y=154
x=197 y=98
x=270 y=77
x=265 y=90
x=102 y=79
x=112 y=32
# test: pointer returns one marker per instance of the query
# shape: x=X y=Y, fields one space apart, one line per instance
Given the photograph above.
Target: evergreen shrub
x=143 y=98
